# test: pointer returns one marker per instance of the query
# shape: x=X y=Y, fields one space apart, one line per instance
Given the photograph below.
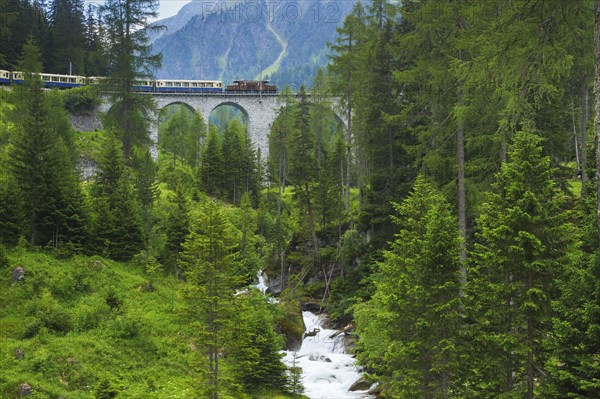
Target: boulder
x=18 y=274
x=375 y=390
x=25 y=389
x=312 y=332
x=359 y=385
x=348 y=329
x=273 y=286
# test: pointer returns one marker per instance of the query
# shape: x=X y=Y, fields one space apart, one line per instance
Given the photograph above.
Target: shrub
x=51 y=314
x=80 y=100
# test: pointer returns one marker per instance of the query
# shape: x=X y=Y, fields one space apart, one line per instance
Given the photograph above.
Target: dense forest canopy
x=454 y=221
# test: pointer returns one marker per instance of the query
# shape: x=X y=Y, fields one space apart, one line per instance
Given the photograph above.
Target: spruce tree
x=256 y=346
x=344 y=74
x=233 y=168
x=303 y=168
x=211 y=166
x=178 y=227
x=523 y=243
x=118 y=222
x=209 y=261
x=41 y=164
x=409 y=330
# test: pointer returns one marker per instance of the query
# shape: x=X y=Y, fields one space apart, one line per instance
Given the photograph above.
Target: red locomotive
x=251 y=86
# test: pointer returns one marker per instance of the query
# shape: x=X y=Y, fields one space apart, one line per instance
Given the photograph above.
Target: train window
x=169 y=84
x=177 y=84
x=185 y=84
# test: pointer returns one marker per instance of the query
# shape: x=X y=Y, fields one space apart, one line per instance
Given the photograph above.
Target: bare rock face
x=310 y=307
x=18 y=274
x=25 y=389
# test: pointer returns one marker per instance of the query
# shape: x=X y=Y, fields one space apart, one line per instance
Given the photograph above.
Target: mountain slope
x=248 y=39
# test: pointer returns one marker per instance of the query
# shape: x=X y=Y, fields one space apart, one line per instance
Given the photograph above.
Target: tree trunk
x=584 y=118
x=349 y=130
x=597 y=116
x=462 y=204
x=461 y=190
x=530 y=343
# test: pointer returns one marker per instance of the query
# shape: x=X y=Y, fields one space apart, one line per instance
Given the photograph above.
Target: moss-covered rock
x=291 y=324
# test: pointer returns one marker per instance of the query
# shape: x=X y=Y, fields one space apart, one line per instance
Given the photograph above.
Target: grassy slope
x=82 y=341
x=72 y=340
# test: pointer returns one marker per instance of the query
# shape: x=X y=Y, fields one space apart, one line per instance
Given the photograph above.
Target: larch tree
x=343 y=74
x=129 y=61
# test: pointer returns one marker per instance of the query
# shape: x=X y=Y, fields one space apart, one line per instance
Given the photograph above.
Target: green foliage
x=71 y=341
x=81 y=100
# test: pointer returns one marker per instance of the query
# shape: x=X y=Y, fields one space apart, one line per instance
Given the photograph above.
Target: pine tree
x=409 y=330
x=524 y=241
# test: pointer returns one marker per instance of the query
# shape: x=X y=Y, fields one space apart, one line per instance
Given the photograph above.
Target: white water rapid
x=327 y=371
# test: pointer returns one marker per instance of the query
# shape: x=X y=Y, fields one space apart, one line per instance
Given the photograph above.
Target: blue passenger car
x=4 y=77
x=189 y=86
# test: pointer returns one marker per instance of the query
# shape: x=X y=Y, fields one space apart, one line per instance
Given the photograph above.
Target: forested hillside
x=451 y=228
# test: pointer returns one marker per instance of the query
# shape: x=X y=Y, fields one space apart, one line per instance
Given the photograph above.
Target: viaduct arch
x=260 y=109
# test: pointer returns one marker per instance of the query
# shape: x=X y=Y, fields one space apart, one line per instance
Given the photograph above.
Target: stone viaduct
x=260 y=111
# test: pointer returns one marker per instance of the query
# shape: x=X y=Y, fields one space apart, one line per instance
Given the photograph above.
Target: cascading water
x=327 y=371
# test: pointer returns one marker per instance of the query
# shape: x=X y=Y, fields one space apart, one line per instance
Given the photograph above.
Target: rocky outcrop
x=86 y=122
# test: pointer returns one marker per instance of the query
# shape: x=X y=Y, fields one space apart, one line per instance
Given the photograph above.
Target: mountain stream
x=327 y=370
